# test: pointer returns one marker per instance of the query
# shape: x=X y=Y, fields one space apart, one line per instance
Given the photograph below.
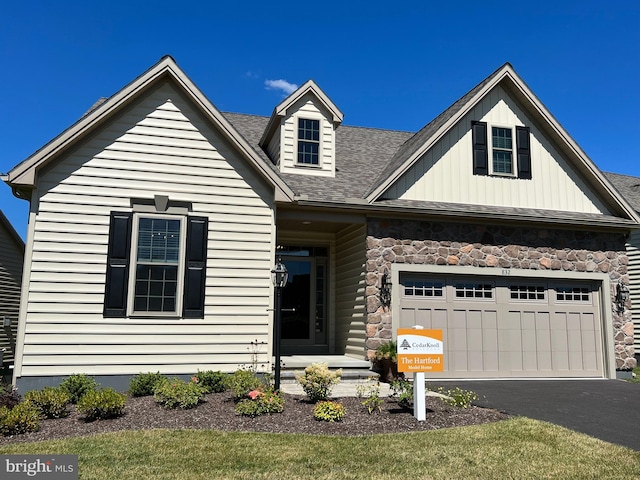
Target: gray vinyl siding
x=633 y=250
x=11 y=261
x=160 y=145
x=350 y=291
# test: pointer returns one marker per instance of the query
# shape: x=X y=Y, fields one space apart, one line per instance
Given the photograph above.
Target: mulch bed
x=217 y=413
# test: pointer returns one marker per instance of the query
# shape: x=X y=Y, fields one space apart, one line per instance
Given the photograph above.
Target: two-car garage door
x=504 y=327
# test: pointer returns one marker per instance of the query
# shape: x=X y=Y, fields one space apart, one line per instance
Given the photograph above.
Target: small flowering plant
x=261 y=401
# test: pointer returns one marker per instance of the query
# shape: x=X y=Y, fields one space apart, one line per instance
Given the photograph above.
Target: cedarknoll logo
x=405 y=345
x=58 y=467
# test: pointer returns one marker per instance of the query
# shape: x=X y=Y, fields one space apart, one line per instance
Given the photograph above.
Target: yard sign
x=420 y=350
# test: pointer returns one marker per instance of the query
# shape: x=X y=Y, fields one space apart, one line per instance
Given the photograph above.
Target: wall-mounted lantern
x=385 y=290
x=622 y=295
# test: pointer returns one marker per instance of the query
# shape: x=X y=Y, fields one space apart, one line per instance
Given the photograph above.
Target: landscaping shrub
x=317 y=381
x=329 y=411
x=177 y=393
x=241 y=382
x=102 y=404
x=369 y=394
x=24 y=417
x=212 y=382
x=52 y=402
x=458 y=397
x=144 y=384
x=260 y=403
x=403 y=391
x=9 y=396
x=77 y=385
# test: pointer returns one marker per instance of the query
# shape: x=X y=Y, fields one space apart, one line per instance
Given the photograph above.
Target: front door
x=304 y=300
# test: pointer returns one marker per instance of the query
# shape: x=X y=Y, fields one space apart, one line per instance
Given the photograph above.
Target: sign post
x=420 y=351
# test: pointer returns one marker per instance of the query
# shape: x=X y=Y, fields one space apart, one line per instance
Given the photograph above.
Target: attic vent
x=636 y=187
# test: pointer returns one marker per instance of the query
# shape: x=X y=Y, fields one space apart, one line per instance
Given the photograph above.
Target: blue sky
x=393 y=65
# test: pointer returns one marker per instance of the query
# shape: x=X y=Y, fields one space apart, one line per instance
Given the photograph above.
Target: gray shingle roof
x=628 y=186
x=361 y=153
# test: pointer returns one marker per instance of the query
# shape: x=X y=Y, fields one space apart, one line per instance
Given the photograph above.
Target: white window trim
x=134 y=263
x=320 y=120
x=514 y=163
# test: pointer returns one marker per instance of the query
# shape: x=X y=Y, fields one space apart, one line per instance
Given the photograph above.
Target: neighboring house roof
x=22 y=177
x=628 y=186
x=4 y=222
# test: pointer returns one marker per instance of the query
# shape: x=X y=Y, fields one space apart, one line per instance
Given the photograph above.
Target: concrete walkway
x=346 y=388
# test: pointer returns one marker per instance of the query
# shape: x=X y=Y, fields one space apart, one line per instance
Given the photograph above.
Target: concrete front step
x=348 y=374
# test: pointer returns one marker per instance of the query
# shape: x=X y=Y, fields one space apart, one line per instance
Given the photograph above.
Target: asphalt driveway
x=605 y=409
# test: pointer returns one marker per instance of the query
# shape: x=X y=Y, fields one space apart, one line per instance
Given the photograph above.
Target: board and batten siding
x=350 y=291
x=159 y=145
x=633 y=250
x=445 y=172
x=11 y=262
x=307 y=109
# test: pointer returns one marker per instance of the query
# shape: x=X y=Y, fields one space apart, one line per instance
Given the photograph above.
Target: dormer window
x=308 y=141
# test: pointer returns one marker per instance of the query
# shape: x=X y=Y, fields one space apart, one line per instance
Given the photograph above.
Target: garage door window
x=528 y=292
x=418 y=288
x=573 y=294
x=474 y=290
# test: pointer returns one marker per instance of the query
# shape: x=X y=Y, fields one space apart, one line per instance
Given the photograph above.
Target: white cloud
x=283 y=85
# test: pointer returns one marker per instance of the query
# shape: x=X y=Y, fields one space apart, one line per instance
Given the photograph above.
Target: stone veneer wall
x=439 y=243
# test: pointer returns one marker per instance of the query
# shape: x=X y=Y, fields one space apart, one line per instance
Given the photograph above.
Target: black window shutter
x=480 y=151
x=117 y=280
x=196 y=267
x=524 y=152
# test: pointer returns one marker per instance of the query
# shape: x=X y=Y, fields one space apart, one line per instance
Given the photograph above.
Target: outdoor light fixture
x=385 y=290
x=622 y=295
x=6 y=321
x=279 y=277
x=279 y=274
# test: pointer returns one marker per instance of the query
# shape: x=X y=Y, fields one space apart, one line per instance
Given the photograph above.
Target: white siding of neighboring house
x=350 y=291
x=445 y=172
x=11 y=258
x=161 y=145
x=306 y=108
x=633 y=250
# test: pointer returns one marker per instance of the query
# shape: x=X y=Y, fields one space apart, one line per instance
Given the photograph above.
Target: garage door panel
x=588 y=322
x=529 y=361
x=475 y=361
x=407 y=317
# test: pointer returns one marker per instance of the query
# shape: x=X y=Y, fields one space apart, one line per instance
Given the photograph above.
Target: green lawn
x=515 y=448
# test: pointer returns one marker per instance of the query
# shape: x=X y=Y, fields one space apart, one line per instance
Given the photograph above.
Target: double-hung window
x=156 y=265
x=308 y=141
x=502 y=151
x=510 y=156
